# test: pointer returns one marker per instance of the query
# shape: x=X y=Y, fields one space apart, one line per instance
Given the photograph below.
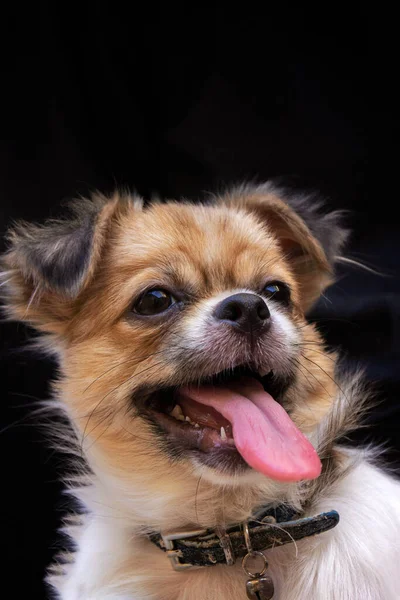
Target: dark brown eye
x=277 y=291
x=153 y=302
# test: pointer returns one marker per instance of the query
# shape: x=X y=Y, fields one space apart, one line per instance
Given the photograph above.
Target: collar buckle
x=173 y=553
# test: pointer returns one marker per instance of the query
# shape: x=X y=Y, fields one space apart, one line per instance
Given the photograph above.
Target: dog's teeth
x=263 y=372
x=176 y=412
x=223 y=434
x=188 y=419
x=196 y=425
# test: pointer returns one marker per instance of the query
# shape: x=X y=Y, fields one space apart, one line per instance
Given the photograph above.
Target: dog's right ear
x=47 y=267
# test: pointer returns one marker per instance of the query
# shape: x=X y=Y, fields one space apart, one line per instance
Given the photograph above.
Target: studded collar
x=268 y=529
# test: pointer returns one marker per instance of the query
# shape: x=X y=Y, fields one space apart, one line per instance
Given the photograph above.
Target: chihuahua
x=204 y=413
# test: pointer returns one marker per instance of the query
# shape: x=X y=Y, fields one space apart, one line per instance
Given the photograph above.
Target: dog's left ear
x=311 y=239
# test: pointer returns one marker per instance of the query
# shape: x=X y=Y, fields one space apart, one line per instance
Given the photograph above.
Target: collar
x=208 y=547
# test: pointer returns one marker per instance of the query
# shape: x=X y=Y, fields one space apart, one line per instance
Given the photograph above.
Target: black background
x=174 y=102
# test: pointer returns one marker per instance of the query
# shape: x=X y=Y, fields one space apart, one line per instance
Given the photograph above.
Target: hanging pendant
x=260 y=586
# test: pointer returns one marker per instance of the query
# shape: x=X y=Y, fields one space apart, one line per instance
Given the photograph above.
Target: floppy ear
x=311 y=239
x=48 y=266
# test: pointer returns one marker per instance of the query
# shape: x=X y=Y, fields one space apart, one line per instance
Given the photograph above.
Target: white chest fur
x=357 y=560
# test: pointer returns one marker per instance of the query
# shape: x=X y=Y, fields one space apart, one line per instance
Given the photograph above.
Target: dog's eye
x=153 y=302
x=277 y=291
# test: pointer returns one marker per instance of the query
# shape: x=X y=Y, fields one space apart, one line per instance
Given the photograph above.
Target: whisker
x=360 y=265
x=327 y=374
x=31 y=299
x=223 y=507
x=138 y=360
x=113 y=508
x=281 y=529
x=316 y=378
x=108 y=415
x=195 y=499
x=300 y=366
x=323 y=344
x=112 y=391
x=134 y=434
x=178 y=336
x=298 y=363
x=141 y=359
x=326 y=354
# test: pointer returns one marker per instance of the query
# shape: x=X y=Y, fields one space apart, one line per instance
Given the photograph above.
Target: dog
x=207 y=409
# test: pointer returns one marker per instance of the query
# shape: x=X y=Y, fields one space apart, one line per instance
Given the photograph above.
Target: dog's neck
x=189 y=502
x=198 y=503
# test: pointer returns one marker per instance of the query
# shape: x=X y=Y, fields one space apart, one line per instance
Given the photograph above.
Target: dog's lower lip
x=200 y=438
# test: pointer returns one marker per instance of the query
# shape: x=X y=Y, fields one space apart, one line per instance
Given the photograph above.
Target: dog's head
x=181 y=332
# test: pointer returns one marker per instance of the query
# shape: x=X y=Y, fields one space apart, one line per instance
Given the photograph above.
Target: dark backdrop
x=175 y=103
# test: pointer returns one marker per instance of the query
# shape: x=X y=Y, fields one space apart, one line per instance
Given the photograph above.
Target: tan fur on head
x=76 y=280
x=236 y=243
x=309 y=262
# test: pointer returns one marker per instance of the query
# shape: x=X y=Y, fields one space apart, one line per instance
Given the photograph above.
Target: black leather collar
x=270 y=528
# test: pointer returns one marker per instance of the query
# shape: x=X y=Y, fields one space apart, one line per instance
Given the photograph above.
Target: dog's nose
x=244 y=311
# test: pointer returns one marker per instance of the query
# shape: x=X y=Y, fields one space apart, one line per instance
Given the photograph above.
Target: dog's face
x=181 y=333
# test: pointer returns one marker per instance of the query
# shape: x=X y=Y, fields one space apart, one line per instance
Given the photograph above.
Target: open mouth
x=232 y=421
x=203 y=425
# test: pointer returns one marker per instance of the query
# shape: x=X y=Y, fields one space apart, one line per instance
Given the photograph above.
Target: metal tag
x=260 y=588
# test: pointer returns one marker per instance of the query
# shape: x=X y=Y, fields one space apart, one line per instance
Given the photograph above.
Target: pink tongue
x=264 y=434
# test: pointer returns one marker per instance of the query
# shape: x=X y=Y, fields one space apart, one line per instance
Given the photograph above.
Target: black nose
x=247 y=312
